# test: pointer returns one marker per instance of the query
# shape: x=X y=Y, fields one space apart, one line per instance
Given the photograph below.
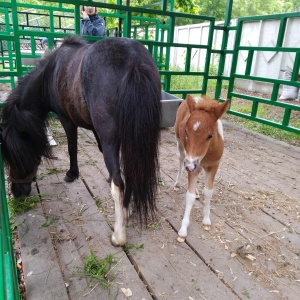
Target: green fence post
x=9 y=288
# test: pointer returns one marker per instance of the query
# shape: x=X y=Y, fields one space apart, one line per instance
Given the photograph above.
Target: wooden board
x=255 y=203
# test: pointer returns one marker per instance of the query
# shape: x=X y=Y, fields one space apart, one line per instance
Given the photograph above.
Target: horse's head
x=22 y=164
x=21 y=184
x=200 y=132
x=24 y=142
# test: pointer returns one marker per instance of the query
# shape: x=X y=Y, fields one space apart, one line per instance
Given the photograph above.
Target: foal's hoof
x=180 y=239
x=69 y=179
x=206 y=227
x=176 y=188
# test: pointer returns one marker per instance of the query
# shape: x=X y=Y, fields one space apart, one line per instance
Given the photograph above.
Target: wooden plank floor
x=251 y=252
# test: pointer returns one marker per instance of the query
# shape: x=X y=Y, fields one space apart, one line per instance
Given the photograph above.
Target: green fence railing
x=9 y=288
x=258 y=105
x=154 y=26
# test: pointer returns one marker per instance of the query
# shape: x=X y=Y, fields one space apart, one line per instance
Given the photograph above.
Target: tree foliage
x=212 y=8
x=243 y=8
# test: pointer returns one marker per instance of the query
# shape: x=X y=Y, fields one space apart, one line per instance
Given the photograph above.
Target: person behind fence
x=91 y=24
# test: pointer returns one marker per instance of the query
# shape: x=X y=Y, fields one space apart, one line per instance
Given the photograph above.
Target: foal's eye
x=209 y=136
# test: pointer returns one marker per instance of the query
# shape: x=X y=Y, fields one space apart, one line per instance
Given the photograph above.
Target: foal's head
x=200 y=134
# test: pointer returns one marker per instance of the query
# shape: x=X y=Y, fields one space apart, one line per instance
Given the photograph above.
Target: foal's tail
x=139 y=114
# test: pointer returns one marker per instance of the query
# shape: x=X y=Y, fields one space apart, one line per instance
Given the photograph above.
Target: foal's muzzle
x=191 y=165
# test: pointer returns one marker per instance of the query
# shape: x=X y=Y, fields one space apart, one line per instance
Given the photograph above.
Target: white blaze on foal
x=200 y=143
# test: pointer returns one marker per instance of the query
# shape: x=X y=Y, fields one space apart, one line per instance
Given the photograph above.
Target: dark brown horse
x=111 y=87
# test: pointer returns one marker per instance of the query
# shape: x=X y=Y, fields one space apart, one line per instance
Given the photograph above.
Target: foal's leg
x=71 y=132
x=210 y=173
x=189 y=202
x=181 y=158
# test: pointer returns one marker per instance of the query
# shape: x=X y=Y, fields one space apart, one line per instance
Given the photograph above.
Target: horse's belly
x=78 y=112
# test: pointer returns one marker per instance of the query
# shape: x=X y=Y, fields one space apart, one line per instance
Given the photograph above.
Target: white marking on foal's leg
x=206 y=208
x=180 y=170
x=189 y=201
x=118 y=237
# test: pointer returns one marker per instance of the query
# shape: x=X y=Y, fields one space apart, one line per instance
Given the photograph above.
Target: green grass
x=90 y=162
x=276 y=133
x=21 y=205
x=98 y=269
x=267 y=112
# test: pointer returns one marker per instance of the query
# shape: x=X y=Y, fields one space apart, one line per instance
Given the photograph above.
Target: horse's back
x=108 y=60
x=107 y=63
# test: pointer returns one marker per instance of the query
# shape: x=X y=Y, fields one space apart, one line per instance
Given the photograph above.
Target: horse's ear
x=190 y=102
x=221 y=109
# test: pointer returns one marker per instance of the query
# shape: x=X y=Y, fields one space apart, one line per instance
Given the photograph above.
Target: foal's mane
x=206 y=104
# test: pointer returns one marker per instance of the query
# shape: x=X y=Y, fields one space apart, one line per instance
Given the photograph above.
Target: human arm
x=93 y=25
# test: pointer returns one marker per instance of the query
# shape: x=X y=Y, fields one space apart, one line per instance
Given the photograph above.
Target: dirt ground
x=252 y=250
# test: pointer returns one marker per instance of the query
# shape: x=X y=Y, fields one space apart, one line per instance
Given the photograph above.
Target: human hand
x=84 y=15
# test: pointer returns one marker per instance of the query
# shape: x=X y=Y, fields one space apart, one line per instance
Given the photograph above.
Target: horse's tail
x=139 y=114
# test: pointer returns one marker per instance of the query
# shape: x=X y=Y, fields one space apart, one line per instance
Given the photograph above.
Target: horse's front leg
x=180 y=170
x=210 y=173
x=71 y=132
x=189 y=202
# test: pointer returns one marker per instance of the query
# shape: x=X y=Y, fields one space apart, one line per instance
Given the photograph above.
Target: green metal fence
x=289 y=113
x=23 y=25
x=9 y=288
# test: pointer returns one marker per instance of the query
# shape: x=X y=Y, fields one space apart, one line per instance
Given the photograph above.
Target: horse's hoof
x=180 y=239
x=206 y=227
x=117 y=243
x=68 y=179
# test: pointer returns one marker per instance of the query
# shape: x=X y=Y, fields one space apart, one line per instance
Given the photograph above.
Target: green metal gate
x=287 y=110
x=23 y=26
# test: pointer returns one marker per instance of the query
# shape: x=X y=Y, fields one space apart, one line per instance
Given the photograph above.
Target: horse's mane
x=24 y=138
x=24 y=127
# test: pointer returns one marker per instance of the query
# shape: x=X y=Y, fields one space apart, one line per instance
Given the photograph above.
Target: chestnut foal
x=200 y=141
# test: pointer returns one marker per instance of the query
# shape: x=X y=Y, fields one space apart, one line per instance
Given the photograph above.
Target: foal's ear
x=190 y=102
x=221 y=109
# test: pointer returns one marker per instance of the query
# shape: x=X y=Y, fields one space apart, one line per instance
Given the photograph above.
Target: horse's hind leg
x=111 y=158
x=189 y=202
x=71 y=132
x=118 y=237
x=210 y=173
x=100 y=148
x=181 y=158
